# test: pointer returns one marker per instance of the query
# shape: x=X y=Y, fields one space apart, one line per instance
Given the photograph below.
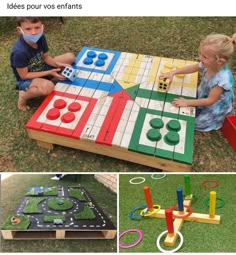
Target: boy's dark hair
x=20 y=20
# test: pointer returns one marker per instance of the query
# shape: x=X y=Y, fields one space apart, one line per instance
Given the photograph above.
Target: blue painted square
x=105 y=86
x=94 y=68
x=91 y=84
x=115 y=88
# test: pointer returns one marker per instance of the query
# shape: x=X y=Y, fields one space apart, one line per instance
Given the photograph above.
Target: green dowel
x=187 y=185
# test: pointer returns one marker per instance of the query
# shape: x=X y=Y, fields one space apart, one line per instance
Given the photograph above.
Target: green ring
x=217 y=206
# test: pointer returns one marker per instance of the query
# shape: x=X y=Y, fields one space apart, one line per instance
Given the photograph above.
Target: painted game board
x=117 y=107
x=58 y=212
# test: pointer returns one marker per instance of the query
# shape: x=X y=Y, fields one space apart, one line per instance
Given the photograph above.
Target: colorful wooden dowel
x=187 y=184
x=179 y=192
x=169 y=221
x=148 y=198
x=212 y=204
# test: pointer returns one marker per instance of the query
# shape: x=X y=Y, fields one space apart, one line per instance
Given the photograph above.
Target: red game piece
x=53 y=114
x=74 y=107
x=59 y=104
x=68 y=117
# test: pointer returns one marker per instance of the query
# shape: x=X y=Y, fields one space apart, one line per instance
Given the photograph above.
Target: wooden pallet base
x=57 y=234
x=47 y=141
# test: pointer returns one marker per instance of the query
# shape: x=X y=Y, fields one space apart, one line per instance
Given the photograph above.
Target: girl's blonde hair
x=222 y=45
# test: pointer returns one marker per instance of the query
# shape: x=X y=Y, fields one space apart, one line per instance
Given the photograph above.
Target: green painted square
x=156 y=95
x=186 y=157
x=144 y=93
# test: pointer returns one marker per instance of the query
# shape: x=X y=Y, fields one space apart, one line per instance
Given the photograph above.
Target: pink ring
x=140 y=233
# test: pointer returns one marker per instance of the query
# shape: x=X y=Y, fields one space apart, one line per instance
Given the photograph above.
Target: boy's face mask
x=31 y=38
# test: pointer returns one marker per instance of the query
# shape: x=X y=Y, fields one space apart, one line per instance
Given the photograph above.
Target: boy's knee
x=48 y=88
x=70 y=57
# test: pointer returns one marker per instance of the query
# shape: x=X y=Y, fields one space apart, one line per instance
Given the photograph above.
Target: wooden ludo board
x=116 y=107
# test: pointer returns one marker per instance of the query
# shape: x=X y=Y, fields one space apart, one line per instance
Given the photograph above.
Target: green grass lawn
x=198 y=237
x=173 y=37
x=10 y=199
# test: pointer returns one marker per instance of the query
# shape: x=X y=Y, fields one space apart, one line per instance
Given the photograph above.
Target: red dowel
x=148 y=197
x=169 y=221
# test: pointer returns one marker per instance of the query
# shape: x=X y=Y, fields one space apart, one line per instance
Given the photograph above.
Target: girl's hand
x=169 y=75
x=180 y=102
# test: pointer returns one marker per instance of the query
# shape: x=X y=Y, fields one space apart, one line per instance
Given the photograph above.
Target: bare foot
x=22 y=102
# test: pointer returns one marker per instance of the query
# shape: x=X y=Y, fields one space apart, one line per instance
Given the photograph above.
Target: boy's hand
x=180 y=102
x=57 y=75
x=62 y=65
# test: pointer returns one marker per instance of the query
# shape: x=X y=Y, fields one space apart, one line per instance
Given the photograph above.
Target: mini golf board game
x=58 y=213
x=116 y=106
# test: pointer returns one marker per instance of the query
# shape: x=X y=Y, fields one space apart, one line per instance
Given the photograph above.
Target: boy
x=32 y=66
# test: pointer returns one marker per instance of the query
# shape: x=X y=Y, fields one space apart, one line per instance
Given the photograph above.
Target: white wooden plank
x=168 y=107
x=74 y=89
x=180 y=147
x=117 y=138
x=62 y=87
x=83 y=74
x=156 y=105
x=188 y=111
x=142 y=102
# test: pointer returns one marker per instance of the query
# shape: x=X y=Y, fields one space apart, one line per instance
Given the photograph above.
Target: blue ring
x=131 y=214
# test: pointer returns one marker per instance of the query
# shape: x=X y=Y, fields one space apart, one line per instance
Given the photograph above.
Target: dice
x=70 y=73
x=163 y=85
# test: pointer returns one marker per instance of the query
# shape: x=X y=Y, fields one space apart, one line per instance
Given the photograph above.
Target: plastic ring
x=147 y=213
x=217 y=206
x=174 y=250
x=184 y=215
x=158 y=178
x=209 y=187
x=124 y=246
x=131 y=214
x=135 y=178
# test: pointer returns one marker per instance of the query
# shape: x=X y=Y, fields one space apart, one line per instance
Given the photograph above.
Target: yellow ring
x=149 y=213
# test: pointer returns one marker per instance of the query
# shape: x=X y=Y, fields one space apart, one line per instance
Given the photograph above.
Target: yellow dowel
x=212 y=204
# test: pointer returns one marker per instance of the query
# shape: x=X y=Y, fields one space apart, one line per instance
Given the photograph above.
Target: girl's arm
x=213 y=96
x=184 y=70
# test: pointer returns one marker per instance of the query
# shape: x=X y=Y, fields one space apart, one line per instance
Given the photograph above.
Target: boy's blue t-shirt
x=23 y=55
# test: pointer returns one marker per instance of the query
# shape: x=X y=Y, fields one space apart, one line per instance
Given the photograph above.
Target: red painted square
x=39 y=120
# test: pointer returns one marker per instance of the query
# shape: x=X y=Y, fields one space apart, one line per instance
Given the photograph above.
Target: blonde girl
x=215 y=94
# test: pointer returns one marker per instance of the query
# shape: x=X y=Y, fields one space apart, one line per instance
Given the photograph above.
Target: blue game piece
x=102 y=56
x=88 y=61
x=100 y=62
x=91 y=54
